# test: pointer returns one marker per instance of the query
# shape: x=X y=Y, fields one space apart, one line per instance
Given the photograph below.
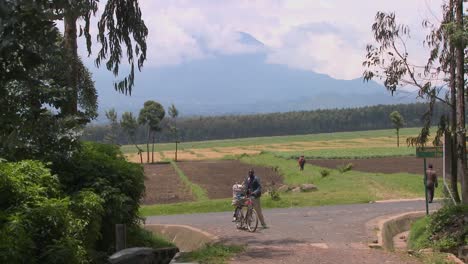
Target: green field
x=265 y=141
x=350 y=153
x=337 y=188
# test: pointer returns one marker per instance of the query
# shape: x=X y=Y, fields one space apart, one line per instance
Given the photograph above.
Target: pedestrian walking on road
x=254 y=189
x=431 y=182
x=301 y=162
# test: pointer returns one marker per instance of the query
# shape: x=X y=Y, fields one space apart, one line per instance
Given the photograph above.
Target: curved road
x=328 y=234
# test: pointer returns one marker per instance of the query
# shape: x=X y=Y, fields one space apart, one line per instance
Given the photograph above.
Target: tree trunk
x=398 y=137
x=71 y=46
x=461 y=134
x=453 y=116
x=176 y=151
x=147 y=146
x=152 y=150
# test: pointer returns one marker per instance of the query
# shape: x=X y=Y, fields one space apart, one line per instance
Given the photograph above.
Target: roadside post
x=428 y=152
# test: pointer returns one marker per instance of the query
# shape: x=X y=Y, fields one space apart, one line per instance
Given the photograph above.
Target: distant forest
x=277 y=124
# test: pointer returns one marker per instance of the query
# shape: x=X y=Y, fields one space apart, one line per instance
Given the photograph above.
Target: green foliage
x=324 y=173
x=151 y=115
x=444 y=230
x=140 y=237
x=213 y=254
x=33 y=89
x=397 y=120
x=418 y=237
x=449 y=227
x=102 y=169
x=39 y=223
x=274 y=194
x=345 y=168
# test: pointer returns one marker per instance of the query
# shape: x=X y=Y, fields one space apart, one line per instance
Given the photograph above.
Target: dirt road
x=328 y=234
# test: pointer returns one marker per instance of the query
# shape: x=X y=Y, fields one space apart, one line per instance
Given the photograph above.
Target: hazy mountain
x=238 y=84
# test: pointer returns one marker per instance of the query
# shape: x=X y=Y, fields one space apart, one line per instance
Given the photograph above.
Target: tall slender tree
x=113 y=132
x=398 y=122
x=174 y=113
x=129 y=125
x=150 y=116
x=120 y=24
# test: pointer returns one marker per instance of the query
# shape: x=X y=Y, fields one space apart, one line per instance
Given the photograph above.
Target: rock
x=375 y=241
x=307 y=187
x=143 y=255
x=426 y=250
x=296 y=190
x=284 y=188
x=410 y=251
x=402 y=237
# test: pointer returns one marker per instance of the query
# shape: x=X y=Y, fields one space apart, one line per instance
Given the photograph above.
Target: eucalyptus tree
x=174 y=113
x=120 y=28
x=398 y=122
x=32 y=84
x=390 y=61
x=129 y=125
x=150 y=116
x=113 y=131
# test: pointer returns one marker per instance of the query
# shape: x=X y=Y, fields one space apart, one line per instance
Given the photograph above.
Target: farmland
x=202 y=181
x=361 y=144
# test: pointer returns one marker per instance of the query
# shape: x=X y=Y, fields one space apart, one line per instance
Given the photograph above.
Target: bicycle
x=246 y=216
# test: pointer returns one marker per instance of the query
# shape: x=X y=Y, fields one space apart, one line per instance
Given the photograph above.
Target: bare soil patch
x=381 y=165
x=217 y=177
x=163 y=185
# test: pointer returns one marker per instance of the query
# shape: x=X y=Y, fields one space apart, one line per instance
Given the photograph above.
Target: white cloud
x=327 y=36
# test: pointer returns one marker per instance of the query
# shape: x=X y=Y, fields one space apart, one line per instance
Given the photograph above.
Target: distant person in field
x=431 y=182
x=301 y=162
x=254 y=189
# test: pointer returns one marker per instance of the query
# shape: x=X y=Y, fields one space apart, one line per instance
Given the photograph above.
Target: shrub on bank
x=445 y=230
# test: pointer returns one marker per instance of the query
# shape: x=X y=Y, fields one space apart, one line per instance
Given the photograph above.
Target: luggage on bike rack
x=238 y=194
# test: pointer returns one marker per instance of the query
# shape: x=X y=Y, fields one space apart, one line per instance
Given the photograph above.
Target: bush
x=345 y=168
x=448 y=228
x=102 y=168
x=38 y=222
x=324 y=173
x=445 y=230
x=140 y=237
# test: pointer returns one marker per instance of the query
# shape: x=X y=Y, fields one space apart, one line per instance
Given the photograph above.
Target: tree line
x=273 y=124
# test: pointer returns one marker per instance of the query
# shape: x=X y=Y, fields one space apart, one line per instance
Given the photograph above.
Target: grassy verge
x=418 y=237
x=281 y=139
x=198 y=192
x=212 y=254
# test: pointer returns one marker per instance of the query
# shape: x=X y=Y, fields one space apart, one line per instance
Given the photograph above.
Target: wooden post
x=120 y=237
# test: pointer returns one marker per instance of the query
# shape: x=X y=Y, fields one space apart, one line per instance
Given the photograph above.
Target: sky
x=324 y=36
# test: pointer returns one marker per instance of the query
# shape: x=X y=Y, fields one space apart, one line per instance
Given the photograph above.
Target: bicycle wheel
x=251 y=220
x=240 y=219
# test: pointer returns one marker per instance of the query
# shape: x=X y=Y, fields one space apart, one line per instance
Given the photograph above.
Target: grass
x=418 y=238
x=198 y=192
x=212 y=254
x=255 y=141
x=337 y=188
x=350 y=153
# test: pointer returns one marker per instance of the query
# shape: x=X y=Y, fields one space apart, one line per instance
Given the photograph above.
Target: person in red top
x=301 y=162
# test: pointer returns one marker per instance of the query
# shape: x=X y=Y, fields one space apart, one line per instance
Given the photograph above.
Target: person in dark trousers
x=301 y=162
x=431 y=182
x=254 y=188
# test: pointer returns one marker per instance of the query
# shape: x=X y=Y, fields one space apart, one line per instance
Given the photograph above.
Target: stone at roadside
x=296 y=190
x=284 y=188
x=143 y=255
x=426 y=250
x=308 y=187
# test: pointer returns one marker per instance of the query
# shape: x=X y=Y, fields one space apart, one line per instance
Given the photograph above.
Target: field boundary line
x=196 y=190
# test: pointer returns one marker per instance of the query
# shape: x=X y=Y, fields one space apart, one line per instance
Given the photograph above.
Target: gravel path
x=328 y=234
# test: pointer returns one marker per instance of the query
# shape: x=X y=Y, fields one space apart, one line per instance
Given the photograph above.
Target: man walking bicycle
x=254 y=189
